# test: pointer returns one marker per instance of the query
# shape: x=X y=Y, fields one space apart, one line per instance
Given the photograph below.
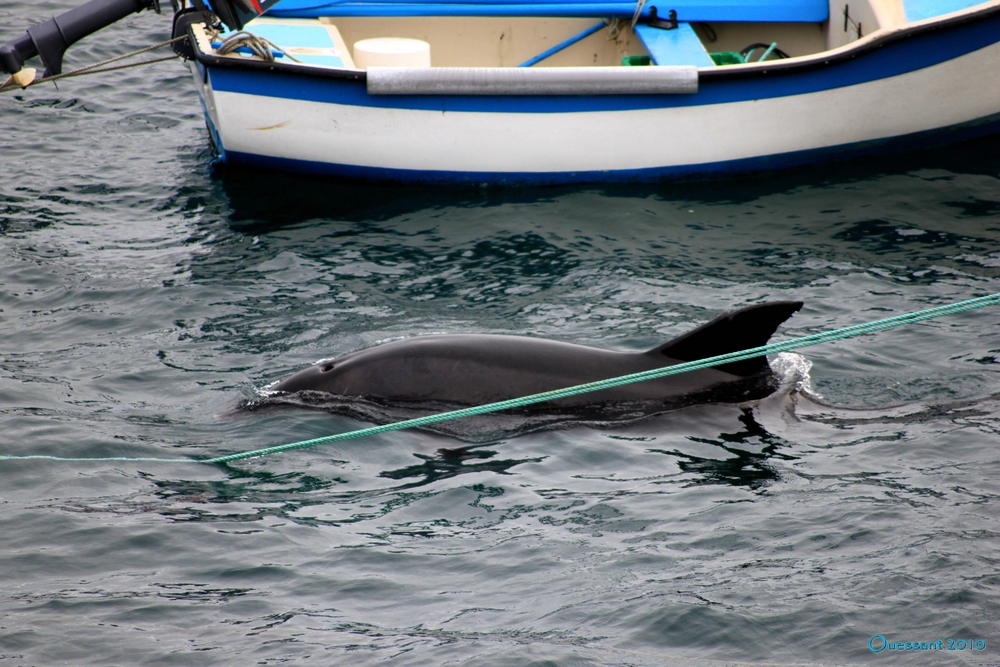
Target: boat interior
x=765 y=31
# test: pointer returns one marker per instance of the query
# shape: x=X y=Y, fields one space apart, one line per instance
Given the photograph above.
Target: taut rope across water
x=771 y=348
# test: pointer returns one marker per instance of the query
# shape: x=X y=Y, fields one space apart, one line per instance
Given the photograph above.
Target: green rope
x=772 y=348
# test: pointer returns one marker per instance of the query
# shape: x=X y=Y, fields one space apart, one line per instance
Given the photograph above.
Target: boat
x=532 y=92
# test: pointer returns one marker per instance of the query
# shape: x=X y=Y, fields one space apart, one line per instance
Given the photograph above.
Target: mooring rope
x=100 y=67
x=264 y=49
x=771 y=348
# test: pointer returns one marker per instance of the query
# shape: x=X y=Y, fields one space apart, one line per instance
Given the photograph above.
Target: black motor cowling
x=236 y=13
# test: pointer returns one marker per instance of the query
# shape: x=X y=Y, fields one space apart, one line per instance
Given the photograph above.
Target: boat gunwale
x=820 y=60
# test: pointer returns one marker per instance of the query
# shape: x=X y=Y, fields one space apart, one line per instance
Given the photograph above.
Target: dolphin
x=474 y=369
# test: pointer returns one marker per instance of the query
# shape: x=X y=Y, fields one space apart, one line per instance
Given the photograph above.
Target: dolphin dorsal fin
x=731 y=331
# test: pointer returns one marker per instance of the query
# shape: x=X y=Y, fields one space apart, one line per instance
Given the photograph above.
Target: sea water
x=851 y=518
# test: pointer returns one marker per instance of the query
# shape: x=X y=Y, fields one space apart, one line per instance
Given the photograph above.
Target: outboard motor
x=50 y=39
x=236 y=13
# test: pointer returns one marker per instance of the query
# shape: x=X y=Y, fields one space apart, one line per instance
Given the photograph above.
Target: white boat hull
x=333 y=126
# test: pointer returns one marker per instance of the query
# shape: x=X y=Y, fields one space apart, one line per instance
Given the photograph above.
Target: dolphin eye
x=326 y=368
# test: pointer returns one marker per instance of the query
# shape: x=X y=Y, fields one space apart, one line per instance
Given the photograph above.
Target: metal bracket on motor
x=654 y=21
x=182 y=20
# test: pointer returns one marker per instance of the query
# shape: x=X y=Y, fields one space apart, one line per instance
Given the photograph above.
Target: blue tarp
x=805 y=11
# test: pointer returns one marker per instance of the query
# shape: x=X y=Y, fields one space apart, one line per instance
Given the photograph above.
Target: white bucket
x=391 y=52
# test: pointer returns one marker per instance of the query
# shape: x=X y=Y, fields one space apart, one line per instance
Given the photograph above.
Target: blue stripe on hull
x=893 y=59
x=805 y=11
x=928 y=139
x=740 y=12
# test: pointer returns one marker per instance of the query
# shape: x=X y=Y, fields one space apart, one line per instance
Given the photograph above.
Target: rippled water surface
x=145 y=297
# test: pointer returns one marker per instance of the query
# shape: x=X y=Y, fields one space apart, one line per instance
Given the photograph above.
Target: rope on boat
x=772 y=348
x=101 y=66
x=260 y=47
x=638 y=12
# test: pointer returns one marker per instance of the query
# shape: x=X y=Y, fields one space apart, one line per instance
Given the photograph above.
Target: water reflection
x=255 y=209
x=887 y=236
x=979 y=411
x=451 y=463
x=337 y=491
x=254 y=494
x=749 y=450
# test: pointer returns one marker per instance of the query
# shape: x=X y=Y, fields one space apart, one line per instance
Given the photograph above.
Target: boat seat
x=307 y=40
x=918 y=10
x=680 y=46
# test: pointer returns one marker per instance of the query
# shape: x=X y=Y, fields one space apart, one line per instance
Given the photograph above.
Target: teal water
x=144 y=297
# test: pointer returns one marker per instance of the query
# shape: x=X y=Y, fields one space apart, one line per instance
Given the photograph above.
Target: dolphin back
x=474 y=369
x=731 y=331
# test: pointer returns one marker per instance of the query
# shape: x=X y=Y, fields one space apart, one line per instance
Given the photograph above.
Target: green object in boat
x=635 y=61
x=727 y=58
